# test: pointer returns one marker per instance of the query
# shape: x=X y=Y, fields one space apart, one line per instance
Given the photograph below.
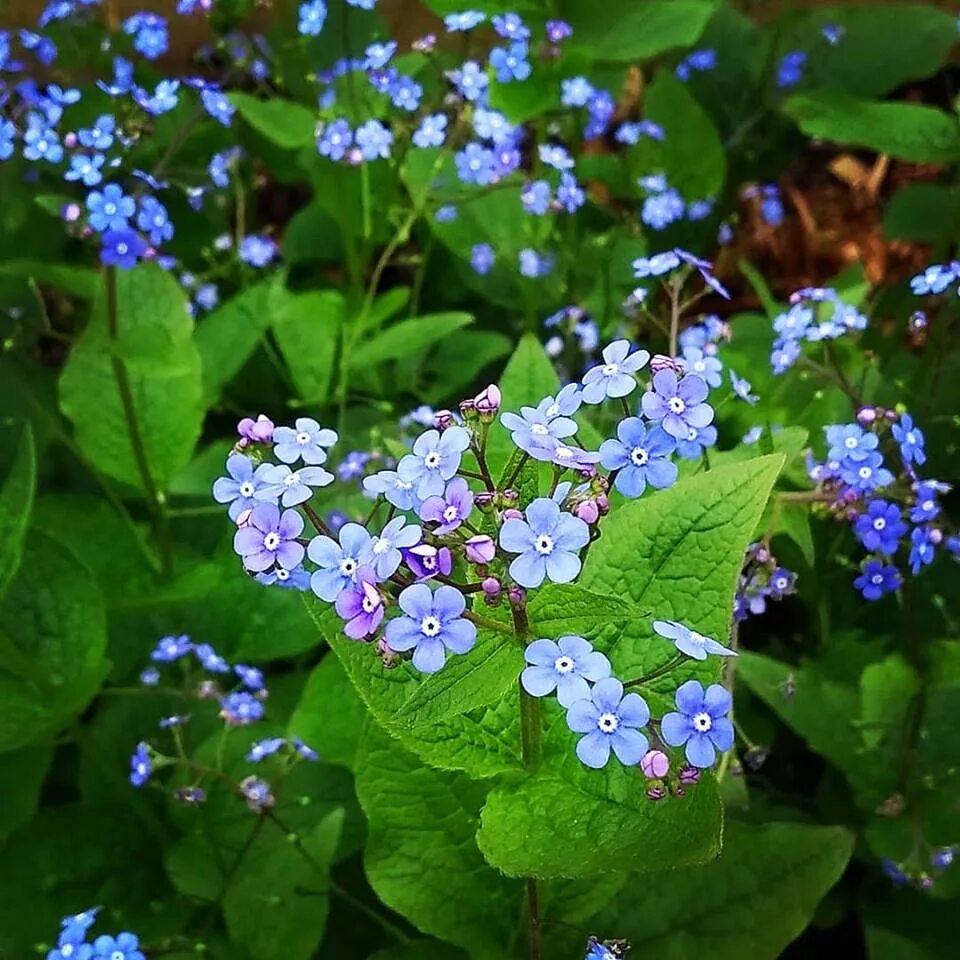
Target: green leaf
x=634 y=30
x=555 y=610
x=923 y=213
x=278 y=904
x=52 y=642
x=155 y=344
x=907 y=131
x=80 y=282
x=22 y=773
x=421 y=857
x=287 y=124
x=408 y=337
x=420 y=950
x=307 y=327
x=752 y=902
x=228 y=336
x=312 y=235
x=626 y=833
x=16 y=503
x=455 y=363
x=538 y=94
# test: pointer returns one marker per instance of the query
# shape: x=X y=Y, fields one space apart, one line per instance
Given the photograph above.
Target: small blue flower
x=163 y=99
x=244 y=481
x=482 y=258
x=700 y=722
x=374 y=140
x=533 y=265
x=336 y=140
x=547 y=542
x=601 y=108
x=640 y=456
x=661 y=209
x=250 y=677
x=378 y=55
x=867 y=474
x=339 y=562
x=935 y=278
x=295 y=579
x=470 y=80
x=677 y=405
x=149 y=32
x=921 y=549
x=257 y=250
x=302 y=750
x=510 y=63
x=432 y=624
x=261 y=749
x=292 y=487
x=494 y=126
x=432 y=131
x=511 y=27
x=655 y=266
x=240 y=708
x=217 y=105
x=270 y=538
x=8 y=135
x=568 y=666
x=85 y=168
x=109 y=209
x=615 y=376
x=910 y=439
x=793 y=324
x=611 y=721
x=877 y=579
x=209 y=659
x=435 y=459
x=141 y=766
x=122 y=248
x=535 y=197
x=450 y=510
x=576 y=91
x=41 y=141
x=154 y=220
x=467 y=20
x=741 y=389
x=306 y=440
x=169 y=649
x=704 y=365
x=475 y=164
x=849 y=443
x=385 y=549
x=925 y=504
x=570 y=195
x=695 y=441
x=405 y=94
x=388 y=483
x=790 y=70
x=880 y=528
x=125 y=946
x=445 y=214
x=312 y=16
x=362 y=4
x=689 y=642
x=549 y=420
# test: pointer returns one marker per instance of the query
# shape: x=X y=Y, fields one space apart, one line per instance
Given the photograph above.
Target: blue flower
x=533 y=265
x=432 y=624
x=880 y=528
x=85 y=169
x=614 y=377
x=291 y=486
x=570 y=195
x=250 y=677
x=8 y=134
x=467 y=20
x=482 y=258
x=935 y=278
x=921 y=549
x=256 y=793
x=109 y=209
x=696 y=440
x=661 y=209
x=706 y=366
x=655 y=266
x=306 y=440
x=339 y=562
x=270 y=537
x=790 y=70
x=547 y=543
x=336 y=140
x=741 y=388
x=475 y=164
x=445 y=214
x=510 y=63
x=690 y=642
x=261 y=749
x=700 y=722
x=209 y=659
x=240 y=708
x=877 y=579
x=41 y=141
x=494 y=126
x=302 y=750
x=432 y=131
x=122 y=248
x=784 y=355
x=239 y=487
x=405 y=93
x=639 y=456
x=910 y=439
x=388 y=483
x=149 y=32
x=363 y=4
x=217 y=105
x=549 y=420
x=435 y=459
x=125 y=946
x=141 y=766
x=558 y=30
x=511 y=27
x=610 y=721
x=154 y=220
x=295 y=579
x=470 y=80
x=849 y=443
x=677 y=405
x=257 y=250
x=867 y=474
x=312 y=15
x=600 y=110
x=385 y=548
x=163 y=99
x=575 y=91
x=169 y=649
x=925 y=505
x=374 y=140
x=565 y=666
x=378 y=55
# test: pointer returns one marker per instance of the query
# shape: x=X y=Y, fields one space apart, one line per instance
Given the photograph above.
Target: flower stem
x=674 y=317
x=486 y=622
x=516 y=471
x=317 y=521
x=658 y=672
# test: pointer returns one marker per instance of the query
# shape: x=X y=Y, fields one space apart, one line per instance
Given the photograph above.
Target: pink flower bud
x=257 y=431
x=71 y=212
x=866 y=416
x=512 y=514
x=936 y=536
x=661 y=361
x=656 y=793
x=70 y=140
x=678 y=790
x=509 y=496
x=491 y=587
x=487 y=401
x=443 y=419
x=655 y=764
x=480 y=549
x=243 y=518
x=468 y=408
x=588 y=511
x=763 y=554
x=516 y=596
x=484 y=500
x=603 y=504
x=689 y=775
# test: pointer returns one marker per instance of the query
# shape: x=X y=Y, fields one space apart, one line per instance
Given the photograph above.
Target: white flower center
x=879 y=523
x=450 y=513
x=382 y=545
x=110 y=209
x=543 y=544
x=850 y=442
x=67 y=949
x=698 y=638
x=246 y=489
x=781 y=583
x=539 y=429
x=877 y=578
x=564 y=664
x=699 y=366
x=283 y=574
x=292 y=479
x=121 y=248
x=303 y=438
x=702 y=722
x=432 y=460
x=118 y=955
x=347 y=566
x=676 y=405
x=610 y=369
x=692 y=433
x=911 y=437
x=927 y=505
x=563 y=453
x=369 y=604
x=865 y=472
x=639 y=456
x=272 y=540
x=553 y=409
x=430 y=626
x=607 y=722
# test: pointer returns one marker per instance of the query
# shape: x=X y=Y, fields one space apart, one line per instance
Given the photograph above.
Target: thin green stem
x=658 y=672
x=486 y=622
x=674 y=317
x=516 y=471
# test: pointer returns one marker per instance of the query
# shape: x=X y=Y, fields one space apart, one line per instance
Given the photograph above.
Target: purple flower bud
x=936 y=537
x=468 y=408
x=190 y=796
x=918 y=321
x=588 y=511
x=257 y=431
x=866 y=416
x=243 y=518
x=480 y=549
x=655 y=764
x=516 y=596
x=487 y=401
x=443 y=419
x=763 y=554
x=678 y=790
x=924 y=881
x=656 y=793
x=512 y=514
x=425 y=44
x=208 y=690
x=509 y=497
x=389 y=658
x=890 y=415
x=70 y=139
x=491 y=587
x=661 y=361
x=689 y=775
x=558 y=30
x=484 y=501
x=71 y=212
x=603 y=504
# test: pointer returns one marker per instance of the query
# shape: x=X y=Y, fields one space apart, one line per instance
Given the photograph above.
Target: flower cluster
x=919 y=873
x=73 y=942
x=761 y=579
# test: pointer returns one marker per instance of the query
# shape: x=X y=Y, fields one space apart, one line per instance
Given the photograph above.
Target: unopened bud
x=678 y=790
x=588 y=511
x=689 y=775
x=655 y=764
x=487 y=401
x=491 y=587
x=443 y=419
x=71 y=212
x=516 y=596
x=480 y=549
x=512 y=514
x=656 y=793
x=661 y=361
x=484 y=501
x=257 y=431
x=756 y=757
x=936 y=536
x=468 y=408
x=603 y=504
x=509 y=497
x=866 y=416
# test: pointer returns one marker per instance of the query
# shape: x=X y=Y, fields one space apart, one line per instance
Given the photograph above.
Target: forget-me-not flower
x=388 y=483
x=271 y=537
x=360 y=605
x=877 y=578
x=546 y=542
x=565 y=665
x=385 y=548
x=677 y=405
x=244 y=481
x=450 y=510
x=911 y=440
x=432 y=624
x=614 y=377
x=880 y=528
x=291 y=486
x=435 y=459
x=306 y=440
x=690 y=642
x=700 y=722
x=641 y=456
x=611 y=721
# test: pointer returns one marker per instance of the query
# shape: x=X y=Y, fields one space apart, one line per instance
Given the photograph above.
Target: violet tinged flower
x=790 y=69
x=169 y=649
x=141 y=765
x=640 y=456
x=291 y=486
x=306 y=440
x=470 y=80
x=385 y=549
x=558 y=30
x=256 y=793
x=480 y=549
x=450 y=510
x=209 y=659
x=389 y=484
x=432 y=624
x=565 y=666
x=880 y=528
x=435 y=459
x=426 y=561
x=250 y=677
x=547 y=543
x=614 y=377
x=270 y=538
x=262 y=749
x=705 y=366
x=610 y=721
x=925 y=505
x=240 y=708
x=921 y=549
x=700 y=722
x=336 y=140
x=360 y=605
x=239 y=488
x=911 y=440
x=256 y=431
x=339 y=562
x=867 y=474
x=482 y=258
x=876 y=579
x=677 y=405
x=689 y=642
x=564 y=455
x=741 y=388
x=849 y=443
